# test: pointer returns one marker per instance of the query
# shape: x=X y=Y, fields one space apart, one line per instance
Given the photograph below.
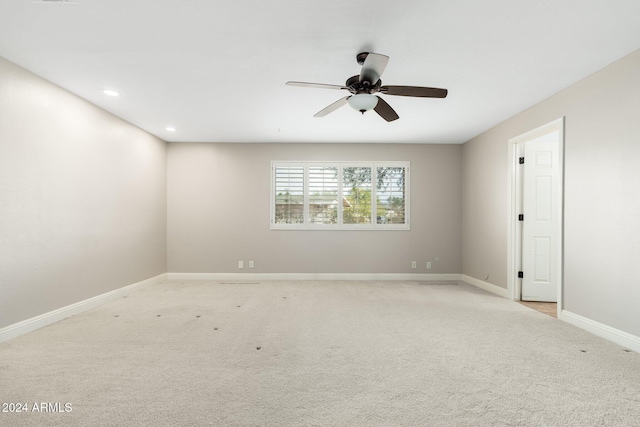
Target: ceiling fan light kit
x=363 y=102
x=363 y=87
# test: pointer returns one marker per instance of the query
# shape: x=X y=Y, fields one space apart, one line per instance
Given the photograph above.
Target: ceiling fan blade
x=316 y=85
x=331 y=108
x=424 y=92
x=373 y=67
x=385 y=110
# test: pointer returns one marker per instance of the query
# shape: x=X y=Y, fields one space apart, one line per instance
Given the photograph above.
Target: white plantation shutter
x=323 y=194
x=391 y=195
x=289 y=194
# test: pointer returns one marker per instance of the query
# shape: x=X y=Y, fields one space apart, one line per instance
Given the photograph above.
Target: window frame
x=339 y=225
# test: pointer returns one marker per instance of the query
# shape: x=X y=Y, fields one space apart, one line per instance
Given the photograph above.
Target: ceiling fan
x=363 y=87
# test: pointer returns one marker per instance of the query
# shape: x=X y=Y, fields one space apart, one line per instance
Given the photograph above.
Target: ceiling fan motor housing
x=356 y=86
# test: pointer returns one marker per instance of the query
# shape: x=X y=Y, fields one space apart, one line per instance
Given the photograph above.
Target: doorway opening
x=535 y=234
x=548 y=308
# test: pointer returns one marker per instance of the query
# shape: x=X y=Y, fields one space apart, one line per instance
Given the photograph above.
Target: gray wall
x=83 y=199
x=218 y=212
x=602 y=207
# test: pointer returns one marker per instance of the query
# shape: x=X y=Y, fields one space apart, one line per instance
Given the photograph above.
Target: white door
x=541 y=225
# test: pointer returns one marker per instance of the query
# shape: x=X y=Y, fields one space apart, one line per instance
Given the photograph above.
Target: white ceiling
x=216 y=70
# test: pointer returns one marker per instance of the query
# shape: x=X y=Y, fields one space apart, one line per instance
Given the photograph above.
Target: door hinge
x=520 y=275
x=521 y=160
x=521 y=217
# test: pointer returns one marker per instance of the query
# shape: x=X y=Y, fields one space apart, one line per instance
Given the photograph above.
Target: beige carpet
x=317 y=354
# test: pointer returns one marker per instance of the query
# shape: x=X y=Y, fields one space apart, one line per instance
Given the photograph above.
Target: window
x=289 y=188
x=340 y=195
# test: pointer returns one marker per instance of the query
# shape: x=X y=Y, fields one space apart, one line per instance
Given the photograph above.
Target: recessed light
x=170 y=129
x=110 y=92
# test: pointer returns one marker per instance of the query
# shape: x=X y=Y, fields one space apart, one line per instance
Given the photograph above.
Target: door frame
x=514 y=233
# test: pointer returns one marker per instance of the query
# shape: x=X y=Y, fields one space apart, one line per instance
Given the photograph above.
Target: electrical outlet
x=428 y=265
x=414 y=264
x=251 y=264
x=240 y=264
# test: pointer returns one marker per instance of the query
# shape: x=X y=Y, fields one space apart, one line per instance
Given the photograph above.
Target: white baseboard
x=617 y=336
x=489 y=287
x=29 y=325
x=310 y=276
